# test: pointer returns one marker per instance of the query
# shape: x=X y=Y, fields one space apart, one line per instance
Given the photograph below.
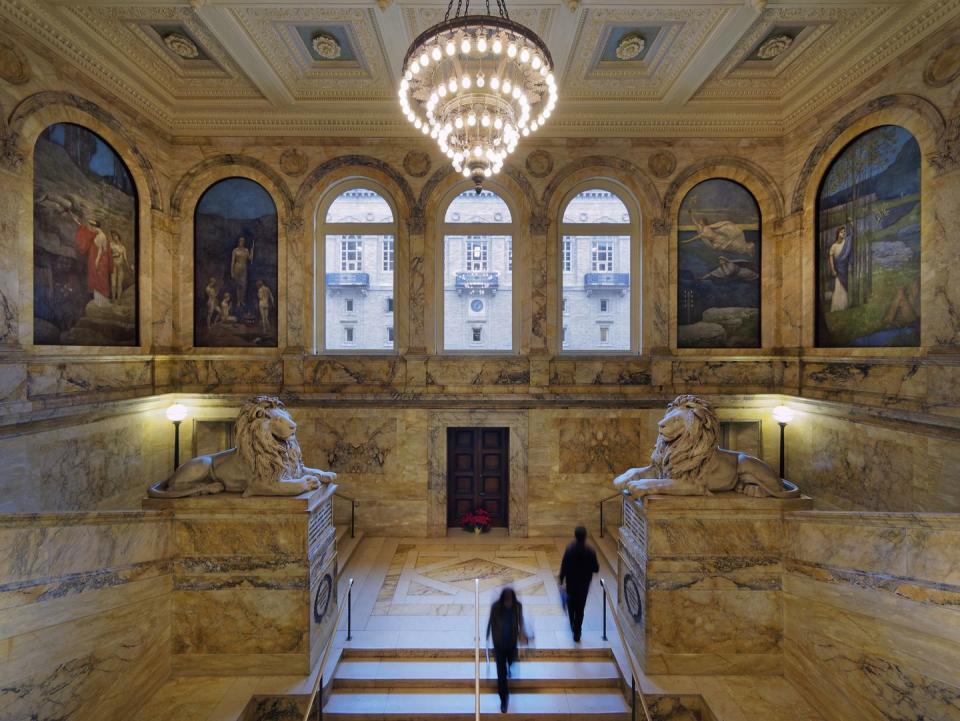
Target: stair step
x=526 y=653
x=440 y=703
x=346 y=547
x=459 y=675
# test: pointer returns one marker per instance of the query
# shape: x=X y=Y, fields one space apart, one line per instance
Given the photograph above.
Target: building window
x=355 y=219
x=477 y=273
x=389 y=305
x=596 y=228
x=388 y=255
x=390 y=336
x=478 y=251
x=351 y=255
x=602 y=256
x=564 y=335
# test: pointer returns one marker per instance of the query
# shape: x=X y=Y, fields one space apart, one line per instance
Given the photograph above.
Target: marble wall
x=872 y=614
x=84 y=613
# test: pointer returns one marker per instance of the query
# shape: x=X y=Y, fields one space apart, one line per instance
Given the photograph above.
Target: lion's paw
x=311 y=483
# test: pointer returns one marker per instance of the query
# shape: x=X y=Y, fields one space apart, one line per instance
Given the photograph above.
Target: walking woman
x=507 y=630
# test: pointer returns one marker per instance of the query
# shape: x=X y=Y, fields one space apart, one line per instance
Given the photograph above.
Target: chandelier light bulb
x=506 y=86
x=495 y=82
x=458 y=123
x=424 y=59
x=536 y=62
x=511 y=50
x=524 y=55
x=466 y=172
x=452 y=85
x=451 y=48
x=482 y=44
x=465 y=46
x=497 y=46
x=481 y=81
x=471 y=120
x=435 y=53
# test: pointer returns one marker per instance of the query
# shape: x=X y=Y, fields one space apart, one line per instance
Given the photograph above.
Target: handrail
x=353 y=510
x=318 y=684
x=600 y=503
x=476 y=651
x=631 y=659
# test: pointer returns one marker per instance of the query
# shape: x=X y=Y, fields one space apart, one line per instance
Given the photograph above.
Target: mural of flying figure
x=721 y=235
x=728 y=269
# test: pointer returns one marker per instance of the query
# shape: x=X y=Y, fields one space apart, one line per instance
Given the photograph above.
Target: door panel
x=478 y=473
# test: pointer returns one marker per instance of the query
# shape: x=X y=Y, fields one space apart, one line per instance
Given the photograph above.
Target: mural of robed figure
x=868 y=243
x=84 y=241
x=235 y=266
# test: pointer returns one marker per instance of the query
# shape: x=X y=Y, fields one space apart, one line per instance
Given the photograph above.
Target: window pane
x=388 y=255
x=487 y=207
x=596 y=206
x=596 y=303
x=477 y=293
x=359 y=294
x=359 y=206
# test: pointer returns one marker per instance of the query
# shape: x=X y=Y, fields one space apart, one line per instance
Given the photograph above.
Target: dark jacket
x=578 y=566
x=495 y=626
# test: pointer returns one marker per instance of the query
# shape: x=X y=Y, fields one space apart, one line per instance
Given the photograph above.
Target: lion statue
x=265 y=462
x=687 y=462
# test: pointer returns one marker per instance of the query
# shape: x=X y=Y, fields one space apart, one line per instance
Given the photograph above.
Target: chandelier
x=476 y=84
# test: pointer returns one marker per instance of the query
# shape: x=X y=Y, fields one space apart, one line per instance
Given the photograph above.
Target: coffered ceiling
x=625 y=67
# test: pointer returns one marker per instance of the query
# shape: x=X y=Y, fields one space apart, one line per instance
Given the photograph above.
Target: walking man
x=577 y=569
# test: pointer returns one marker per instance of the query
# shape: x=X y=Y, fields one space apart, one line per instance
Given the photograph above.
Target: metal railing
x=618 y=494
x=476 y=651
x=635 y=672
x=353 y=511
x=318 y=684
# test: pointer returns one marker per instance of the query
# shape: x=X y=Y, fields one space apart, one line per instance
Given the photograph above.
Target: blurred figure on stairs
x=577 y=569
x=506 y=629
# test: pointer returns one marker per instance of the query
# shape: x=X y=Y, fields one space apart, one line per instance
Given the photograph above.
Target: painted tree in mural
x=84 y=241
x=868 y=223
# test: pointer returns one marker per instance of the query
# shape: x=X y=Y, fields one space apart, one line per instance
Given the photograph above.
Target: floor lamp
x=782 y=415
x=176 y=413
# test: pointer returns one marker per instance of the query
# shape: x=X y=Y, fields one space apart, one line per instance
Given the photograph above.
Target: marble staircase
x=607 y=546
x=547 y=684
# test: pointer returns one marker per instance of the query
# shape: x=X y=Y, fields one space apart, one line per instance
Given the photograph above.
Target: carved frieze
x=416 y=163
x=539 y=163
x=14 y=67
x=293 y=162
x=662 y=164
x=944 y=67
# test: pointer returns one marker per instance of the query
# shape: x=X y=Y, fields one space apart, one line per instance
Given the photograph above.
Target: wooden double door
x=478 y=470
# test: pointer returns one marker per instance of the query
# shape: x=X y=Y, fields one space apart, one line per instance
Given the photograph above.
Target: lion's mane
x=268 y=458
x=682 y=458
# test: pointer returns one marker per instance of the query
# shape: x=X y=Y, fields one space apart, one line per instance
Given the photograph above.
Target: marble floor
x=415 y=598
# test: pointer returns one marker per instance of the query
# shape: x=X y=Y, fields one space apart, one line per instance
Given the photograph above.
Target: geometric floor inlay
x=438 y=580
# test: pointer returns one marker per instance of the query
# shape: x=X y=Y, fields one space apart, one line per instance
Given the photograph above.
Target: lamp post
x=782 y=415
x=176 y=413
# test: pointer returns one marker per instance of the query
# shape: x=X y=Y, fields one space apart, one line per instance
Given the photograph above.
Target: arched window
x=477 y=273
x=85 y=263
x=235 y=276
x=596 y=258
x=718 y=267
x=868 y=243
x=355 y=270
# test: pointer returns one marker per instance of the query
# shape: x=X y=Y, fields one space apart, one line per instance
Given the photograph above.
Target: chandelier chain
x=464 y=9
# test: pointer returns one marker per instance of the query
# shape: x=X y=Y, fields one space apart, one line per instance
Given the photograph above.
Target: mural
x=84 y=241
x=235 y=266
x=718 y=267
x=868 y=243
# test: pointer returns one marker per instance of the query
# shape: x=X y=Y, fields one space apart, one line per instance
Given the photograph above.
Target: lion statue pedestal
x=255 y=555
x=701 y=552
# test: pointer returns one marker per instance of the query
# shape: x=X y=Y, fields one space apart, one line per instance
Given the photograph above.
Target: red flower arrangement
x=478 y=521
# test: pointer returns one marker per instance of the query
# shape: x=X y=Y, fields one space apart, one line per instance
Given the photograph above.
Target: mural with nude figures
x=718 y=267
x=84 y=241
x=235 y=266
x=868 y=243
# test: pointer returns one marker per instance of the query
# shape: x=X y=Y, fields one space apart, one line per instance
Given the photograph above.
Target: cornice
x=935 y=15
x=31 y=17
